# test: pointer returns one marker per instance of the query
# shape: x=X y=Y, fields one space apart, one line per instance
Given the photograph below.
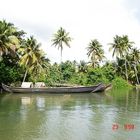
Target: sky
x=85 y=20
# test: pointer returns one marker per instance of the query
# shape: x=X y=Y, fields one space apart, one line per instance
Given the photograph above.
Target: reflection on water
x=70 y=117
x=25 y=100
x=40 y=103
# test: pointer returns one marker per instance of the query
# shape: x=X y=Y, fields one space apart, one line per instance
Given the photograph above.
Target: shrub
x=119 y=82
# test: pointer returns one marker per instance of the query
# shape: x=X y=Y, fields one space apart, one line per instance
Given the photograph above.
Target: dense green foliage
x=10 y=71
x=118 y=82
x=21 y=59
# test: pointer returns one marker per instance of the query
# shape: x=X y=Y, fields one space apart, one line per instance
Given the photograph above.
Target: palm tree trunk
x=25 y=72
x=93 y=60
x=136 y=74
x=61 y=56
x=25 y=76
x=126 y=74
x=61 y=66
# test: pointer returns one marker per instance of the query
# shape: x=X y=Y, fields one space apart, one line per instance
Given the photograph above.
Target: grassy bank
x=119 y=83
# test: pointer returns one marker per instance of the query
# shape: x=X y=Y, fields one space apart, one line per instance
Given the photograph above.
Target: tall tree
x=38 y=68
x=121 y=47
x=82 y=66
x=9 y=38
x=95 y=52
x=30 y=54
x=135 y=54
x=60 y=38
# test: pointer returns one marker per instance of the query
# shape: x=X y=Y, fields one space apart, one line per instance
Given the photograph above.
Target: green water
x=70 y=117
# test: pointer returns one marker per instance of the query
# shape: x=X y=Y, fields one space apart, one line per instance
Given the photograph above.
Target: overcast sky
x=83 y=19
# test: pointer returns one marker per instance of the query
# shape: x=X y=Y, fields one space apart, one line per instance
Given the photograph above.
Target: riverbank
x=119 y=83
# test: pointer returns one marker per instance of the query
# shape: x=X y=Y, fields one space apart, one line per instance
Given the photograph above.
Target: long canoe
x=84 y=89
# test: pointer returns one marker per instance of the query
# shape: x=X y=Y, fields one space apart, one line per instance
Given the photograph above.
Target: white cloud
x=84 y=19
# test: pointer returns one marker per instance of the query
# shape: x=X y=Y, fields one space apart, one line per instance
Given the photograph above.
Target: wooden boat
x=84 y=89
x=137 y=86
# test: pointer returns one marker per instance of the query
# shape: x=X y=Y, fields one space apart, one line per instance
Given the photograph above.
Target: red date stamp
x=116 y=126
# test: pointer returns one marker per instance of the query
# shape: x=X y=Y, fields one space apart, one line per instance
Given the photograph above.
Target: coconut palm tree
x=30 y=54
x=121 y=47
x=120 y=67
x=135 y=54
x=39 y=66
x=82 y=66
x=60 y=39
x=95 y=52
x=9 y=38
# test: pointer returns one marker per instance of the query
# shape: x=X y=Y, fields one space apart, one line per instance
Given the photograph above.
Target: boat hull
x=86 y=89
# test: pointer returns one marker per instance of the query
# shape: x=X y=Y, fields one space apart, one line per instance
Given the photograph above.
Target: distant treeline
x=22 y=59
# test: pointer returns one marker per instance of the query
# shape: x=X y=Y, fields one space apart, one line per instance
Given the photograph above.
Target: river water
x=114 y=115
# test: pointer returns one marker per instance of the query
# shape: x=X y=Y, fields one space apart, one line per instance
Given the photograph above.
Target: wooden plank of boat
x=102 y=87
x=85 y=89
x=138 y=86
x=99 y=88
